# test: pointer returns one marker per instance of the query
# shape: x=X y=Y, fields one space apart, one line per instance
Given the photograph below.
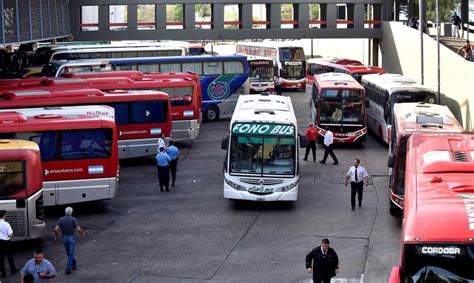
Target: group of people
x=167 y=162
x=40 y=269
x=312 y=134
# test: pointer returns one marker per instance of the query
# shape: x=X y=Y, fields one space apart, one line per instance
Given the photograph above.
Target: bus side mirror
x=391 y=161
x=225 y=142
x=303 y=141
x=395 y=275
x=367 y=103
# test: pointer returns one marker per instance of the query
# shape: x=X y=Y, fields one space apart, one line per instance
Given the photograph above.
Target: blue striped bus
x=222 y=77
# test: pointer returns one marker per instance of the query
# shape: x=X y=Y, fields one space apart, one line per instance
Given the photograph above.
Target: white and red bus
x=383 y=91
x=289 y=59
x=338 y=103
x=79 y=154
x=141 y=116
x=411 y=118
x=438 y=227
x=183 y=88
x=261 y=74
x=315 y=66
x=21 y=188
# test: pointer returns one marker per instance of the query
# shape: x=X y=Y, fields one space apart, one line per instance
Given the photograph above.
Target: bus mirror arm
x=395 y=275
x=225 y=142
x=303 y=141
x=391 y=161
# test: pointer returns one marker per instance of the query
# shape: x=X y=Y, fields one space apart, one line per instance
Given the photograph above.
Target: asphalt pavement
x=192 y=234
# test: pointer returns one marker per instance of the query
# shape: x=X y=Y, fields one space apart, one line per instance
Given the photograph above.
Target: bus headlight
x=288 y=187
x=234 y=185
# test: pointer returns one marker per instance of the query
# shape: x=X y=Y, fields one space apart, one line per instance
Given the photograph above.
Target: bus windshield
x=291 y=54
x=269 y=155
x=293 y=71
x=12 y=179
x=451 y=263
x=261 y=73
x=341 y=106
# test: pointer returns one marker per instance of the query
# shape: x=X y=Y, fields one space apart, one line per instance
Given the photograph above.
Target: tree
x=286 y=12
x=174 y=12
x=203 y=11
x=146 y=13
x=445 y=9
x=314 y=12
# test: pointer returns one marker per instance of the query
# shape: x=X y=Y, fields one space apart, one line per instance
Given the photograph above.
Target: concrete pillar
x=411 y=8
x=245 y=16
x=323 y=12
x=350 y=14
x=275 y=15
x=378 y=15
x=160 y=16
x=217 y=16
x=302 y=15
x=268 y=15
x=375 y=51
x=132 y=17
x=359 y=15
x=331 y=16
x=189 y=16
x=104 y=17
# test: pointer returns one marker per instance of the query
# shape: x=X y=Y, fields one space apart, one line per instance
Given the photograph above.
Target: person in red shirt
x=311 y=136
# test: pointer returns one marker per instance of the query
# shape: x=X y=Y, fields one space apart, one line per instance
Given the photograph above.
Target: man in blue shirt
x=41 y=269
x=173 y=153
x=163 y=164
x=68 y=226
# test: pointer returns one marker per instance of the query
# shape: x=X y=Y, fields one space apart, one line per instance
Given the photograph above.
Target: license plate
x=260 y=190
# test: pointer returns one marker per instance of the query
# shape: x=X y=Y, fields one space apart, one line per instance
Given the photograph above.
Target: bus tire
x=212 y=113
x=395 y=211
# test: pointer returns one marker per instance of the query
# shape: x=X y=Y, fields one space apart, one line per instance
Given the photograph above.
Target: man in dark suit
x=323 y=262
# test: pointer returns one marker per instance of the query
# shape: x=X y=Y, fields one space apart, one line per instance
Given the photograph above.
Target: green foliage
x=445 y=8
x=174 y=12
x=203 y=11
x=146 y=13
x=314 y=12
x=287 y=12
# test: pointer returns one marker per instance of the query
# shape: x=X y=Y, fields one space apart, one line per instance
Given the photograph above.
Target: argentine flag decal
x=96 y=169
x=155 y=131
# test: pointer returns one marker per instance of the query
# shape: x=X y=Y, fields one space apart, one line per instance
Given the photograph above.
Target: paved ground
x=193 y=234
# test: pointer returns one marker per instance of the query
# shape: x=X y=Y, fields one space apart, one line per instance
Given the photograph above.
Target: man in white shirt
x=357 y=174
x=6 y=234
x=328 y=142
x=161 y=142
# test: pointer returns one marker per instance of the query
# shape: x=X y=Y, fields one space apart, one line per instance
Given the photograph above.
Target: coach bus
x=183 y=88
x=221 y=76
x=383 y=91
x=438 y=227
x=79 y=154
x=289 y=60
x=261 y=162
x=354 y=68
x=21 y=188
x=94 y=52
x=141 y=116
x=338 y=103
x=261 y=74
x=411 y=118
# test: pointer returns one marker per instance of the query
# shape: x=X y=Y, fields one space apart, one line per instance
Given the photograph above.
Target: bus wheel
x=395 y=211
x=212 y=113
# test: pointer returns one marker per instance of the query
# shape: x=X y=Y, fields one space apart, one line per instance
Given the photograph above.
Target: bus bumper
x=185 y=130
x=137 y=148
x=232 y=193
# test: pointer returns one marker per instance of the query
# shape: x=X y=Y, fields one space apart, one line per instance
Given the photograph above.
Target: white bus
x=289 y=60
x=261 y=77
x=261 y=163
x=383 y=91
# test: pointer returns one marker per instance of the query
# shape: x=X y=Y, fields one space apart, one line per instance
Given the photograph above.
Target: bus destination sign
x=263 y=129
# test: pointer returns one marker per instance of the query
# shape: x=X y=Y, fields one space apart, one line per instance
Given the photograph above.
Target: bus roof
x=412 y=117
x=256 y=58
x=393 y=82
x=440 y=195
x=351 y=66
x=6 y=144
x=271 y=43
x=336 y=80
x=88 y=49
x=264 y=108
x=100 y=110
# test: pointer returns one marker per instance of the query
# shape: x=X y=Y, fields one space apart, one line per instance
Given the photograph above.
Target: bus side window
x=386 y=108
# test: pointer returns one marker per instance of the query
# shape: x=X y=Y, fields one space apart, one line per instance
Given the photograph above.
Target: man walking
x=278 y=83
x=323 y=262
x=161 y=142
x=311 y=136
x=357 y=174
x=163 y=164
x=328 y=143
x=41 y=269
x=455 y=24
x=173 y=153
x=6 y=234
x=69 y=225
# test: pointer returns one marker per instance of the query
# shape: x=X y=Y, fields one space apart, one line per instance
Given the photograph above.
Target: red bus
x=338 y=102
x=315 y=66
x=141 y=116
x=79 y=154
x=438 y=227
x=410 y=118
x=21 y=188
x=183 y=88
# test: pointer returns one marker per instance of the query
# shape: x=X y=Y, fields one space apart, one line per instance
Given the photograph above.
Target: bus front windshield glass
x=341 y=106
x=293 y=72
x=291 y=54
x=261 y=73
x=259 y=155
x=12 y=179
x=450 y=263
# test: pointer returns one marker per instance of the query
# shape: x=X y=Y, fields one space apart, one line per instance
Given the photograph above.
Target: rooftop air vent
x=265 y=111
x=460 y=156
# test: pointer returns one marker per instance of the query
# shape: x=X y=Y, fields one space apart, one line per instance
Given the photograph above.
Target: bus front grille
x=18 y=222
x=266 y=182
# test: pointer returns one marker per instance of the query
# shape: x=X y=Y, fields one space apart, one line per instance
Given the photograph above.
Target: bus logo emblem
x=218 y=90
x=261 y=182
